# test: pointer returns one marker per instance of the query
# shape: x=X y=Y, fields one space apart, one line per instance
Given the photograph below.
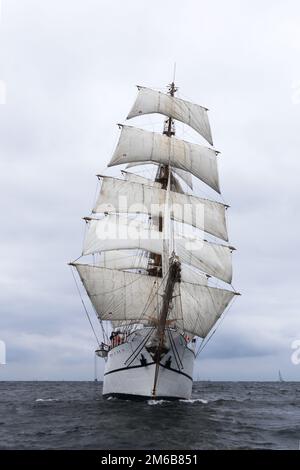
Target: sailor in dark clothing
x=168 y=362
x=143 y=360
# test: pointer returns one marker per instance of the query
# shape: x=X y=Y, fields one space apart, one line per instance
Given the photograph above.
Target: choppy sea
x=220 y=415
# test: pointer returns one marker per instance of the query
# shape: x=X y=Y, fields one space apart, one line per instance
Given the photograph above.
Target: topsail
x=150 y=101
x=138 y=145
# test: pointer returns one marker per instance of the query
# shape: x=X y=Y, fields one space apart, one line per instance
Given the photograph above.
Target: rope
x=85 y=309
x=203 y=343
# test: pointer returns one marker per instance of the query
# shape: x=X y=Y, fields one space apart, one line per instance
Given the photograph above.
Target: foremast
x=173 y=276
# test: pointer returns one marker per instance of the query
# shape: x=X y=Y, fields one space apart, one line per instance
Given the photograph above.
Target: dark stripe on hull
x=150 y=364
x=127 y=368
x=177 y=371
x=127 y=396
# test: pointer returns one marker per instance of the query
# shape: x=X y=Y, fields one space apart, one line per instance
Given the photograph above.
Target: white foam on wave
x=195 y=400
x=46 y=399
x=157 y=402
x=191 y=401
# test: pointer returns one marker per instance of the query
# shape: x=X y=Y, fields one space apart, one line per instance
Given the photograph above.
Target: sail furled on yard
x=137 y=145
x=121 y=196
x=114 y=296
x=150 y=101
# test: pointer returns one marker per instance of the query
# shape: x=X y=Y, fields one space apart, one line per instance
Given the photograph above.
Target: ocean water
x=220 y=415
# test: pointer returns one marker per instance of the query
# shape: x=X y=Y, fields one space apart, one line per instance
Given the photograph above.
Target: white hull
x=130 y=369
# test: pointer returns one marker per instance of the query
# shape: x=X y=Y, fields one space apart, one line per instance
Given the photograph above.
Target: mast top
x=169 y=127
x=172 y=88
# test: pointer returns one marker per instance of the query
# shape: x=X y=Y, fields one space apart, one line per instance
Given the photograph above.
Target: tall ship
x=156 y=263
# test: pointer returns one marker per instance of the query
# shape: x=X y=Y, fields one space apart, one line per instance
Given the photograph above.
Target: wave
x=190 y=401
x=194 y=400
x=157 y=402
x=46 y=399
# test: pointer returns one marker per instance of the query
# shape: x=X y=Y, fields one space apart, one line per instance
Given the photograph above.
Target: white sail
x=104 y=235
x=202 y=306
x=114 y=296
x=192 y=276
x=184 y=175
x=136 y=145
x=129 y=259
x=140 y=179
x=123 y=259
x=119 y=233
x=127 y=197
x=150 y=101
x=118 y=295
x=211 y=258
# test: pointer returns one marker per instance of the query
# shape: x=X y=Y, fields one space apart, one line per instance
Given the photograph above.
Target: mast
x=162 y=176
x=173 y=274
x=173 y=277
x=280 y=376
x=95 y=368
x=169 y=130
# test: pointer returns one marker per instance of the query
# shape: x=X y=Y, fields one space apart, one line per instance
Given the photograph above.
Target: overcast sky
x=70 y=68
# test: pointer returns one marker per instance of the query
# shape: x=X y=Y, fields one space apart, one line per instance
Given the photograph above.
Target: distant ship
x=280 y=378
x=152 y=275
